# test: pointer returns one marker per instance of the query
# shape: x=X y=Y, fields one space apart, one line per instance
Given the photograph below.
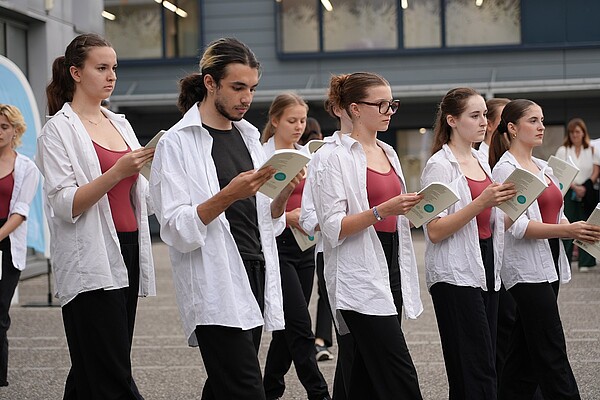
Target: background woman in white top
x=287 y=120
x=581 y=198
x=370 y=275
x=96 y=209
x=19 y=179
x=534 y=261
x=464 y=247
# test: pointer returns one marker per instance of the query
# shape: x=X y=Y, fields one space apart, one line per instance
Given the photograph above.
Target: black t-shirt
x=231 y=157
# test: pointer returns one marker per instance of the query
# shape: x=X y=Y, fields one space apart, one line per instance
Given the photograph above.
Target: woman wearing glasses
x=370 y=266
x=464 y=247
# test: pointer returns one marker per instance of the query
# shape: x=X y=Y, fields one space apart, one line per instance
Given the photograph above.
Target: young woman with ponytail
x=370 y=266
x=98 y=217
x=285 y=126
x=534 y=263
x=464 y=247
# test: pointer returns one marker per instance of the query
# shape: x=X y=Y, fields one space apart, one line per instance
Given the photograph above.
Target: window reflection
x=421 y=20
x=300 y=26
x=483 y=22
x=361 y=25
x=138 y=30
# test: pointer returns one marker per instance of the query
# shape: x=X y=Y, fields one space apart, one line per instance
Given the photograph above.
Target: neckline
x=111 y=150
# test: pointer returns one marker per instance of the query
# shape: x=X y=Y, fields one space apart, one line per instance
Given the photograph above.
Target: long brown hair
x=278 y=107
x=501 y=138
x=574 y=123
x=217 y=56
x=453 y=103
x=61 y=88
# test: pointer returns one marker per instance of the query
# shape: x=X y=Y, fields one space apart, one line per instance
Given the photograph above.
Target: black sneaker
x=323 y=353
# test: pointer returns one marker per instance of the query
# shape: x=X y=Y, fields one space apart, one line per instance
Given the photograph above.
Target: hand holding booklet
x=528 y=186
x=592 y=248
x=437 y=197
x=564 y=171
x=151 y=144
x=287 y=163
x=304 y=241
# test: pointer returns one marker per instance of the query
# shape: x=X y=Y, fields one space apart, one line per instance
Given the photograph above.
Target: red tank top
x=382 y=187
x=550 y=202
x=119 y=197
x=296 y=197
x=483 y=218
x=6 y=188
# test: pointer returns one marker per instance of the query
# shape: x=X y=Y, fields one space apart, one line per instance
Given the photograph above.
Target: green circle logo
x=521 y=199
x=428 y=207
x=280 y=176
x=311 y=238
x=561 y=186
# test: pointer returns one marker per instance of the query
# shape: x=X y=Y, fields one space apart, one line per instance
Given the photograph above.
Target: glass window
x=299 y=26
x=482 y=22
x=421 y=20
x=361 y=25
x=141 y=27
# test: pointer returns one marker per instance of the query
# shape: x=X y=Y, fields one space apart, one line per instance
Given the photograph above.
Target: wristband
x=376 y=214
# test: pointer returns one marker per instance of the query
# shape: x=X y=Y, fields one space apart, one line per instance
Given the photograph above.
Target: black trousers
x=8 y=285
x=99 y=327
x=537 y=353
x=383 y=368
x=345 y=343
x=324 y=323
x=296 y=342
x=230 y=355
x=467 y=318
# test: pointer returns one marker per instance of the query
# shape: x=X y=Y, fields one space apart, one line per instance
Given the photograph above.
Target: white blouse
x=585 y=162
x=528 y=260
x=211 y=283
x=356 y=271
x=457 y=259
x=26 y=178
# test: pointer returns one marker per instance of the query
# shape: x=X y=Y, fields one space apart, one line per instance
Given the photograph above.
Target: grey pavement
x=166 y=368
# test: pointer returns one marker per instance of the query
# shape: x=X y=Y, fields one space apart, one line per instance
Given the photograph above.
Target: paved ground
x=166 y=368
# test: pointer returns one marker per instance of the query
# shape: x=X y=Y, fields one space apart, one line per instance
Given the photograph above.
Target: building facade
x=544 y=50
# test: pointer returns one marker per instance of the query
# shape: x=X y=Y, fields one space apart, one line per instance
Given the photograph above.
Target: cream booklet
x=528 y=186
x=564 y=171
x=438 y=197
x=592 y=248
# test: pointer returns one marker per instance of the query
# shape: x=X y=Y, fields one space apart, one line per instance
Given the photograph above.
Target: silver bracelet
x=376 y=214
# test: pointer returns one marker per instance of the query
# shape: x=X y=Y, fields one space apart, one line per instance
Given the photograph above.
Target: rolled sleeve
x=28 y=190
x=333 y=201
x=308 y=214
x=180 y=225
x=59 y=177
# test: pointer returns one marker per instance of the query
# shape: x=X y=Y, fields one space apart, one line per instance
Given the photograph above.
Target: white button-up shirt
x=457 y=259
x=85 y=249
x=210 y=279
x=528 y=260
x=484 y=151
x=356 y=271
x=308 y=215
x=26 y=177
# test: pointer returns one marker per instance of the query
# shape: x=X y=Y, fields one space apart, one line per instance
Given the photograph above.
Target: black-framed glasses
x=384 y=106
